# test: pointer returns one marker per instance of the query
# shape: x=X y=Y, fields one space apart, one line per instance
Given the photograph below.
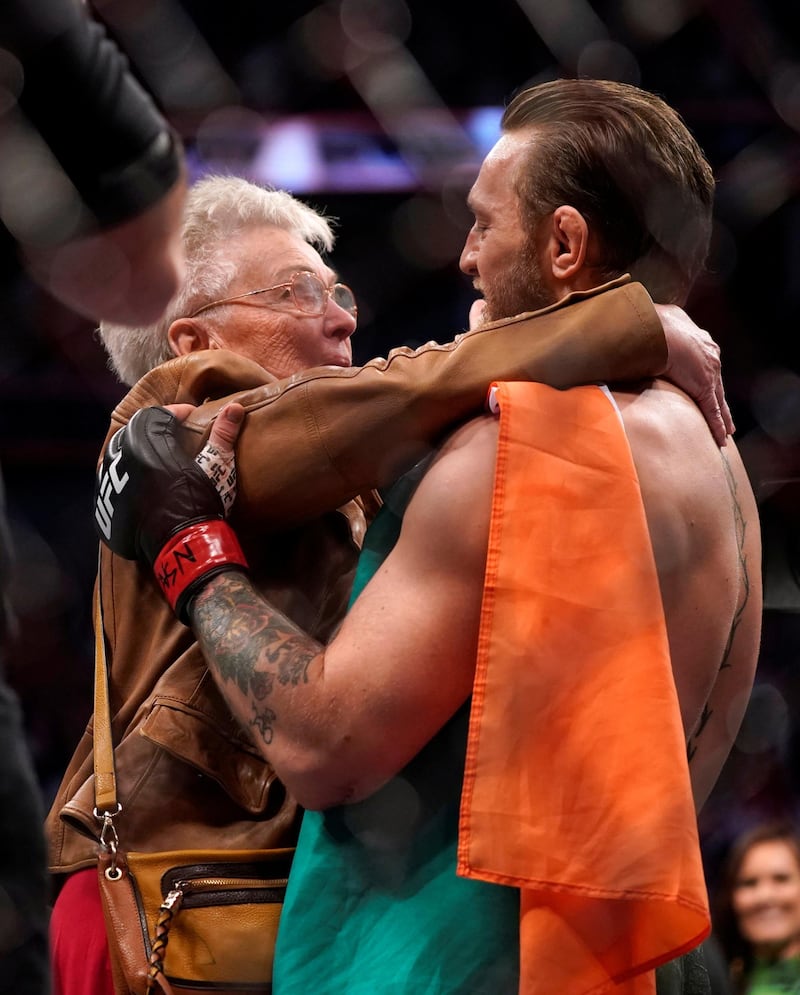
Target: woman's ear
x=567 y=244
x=187 y=335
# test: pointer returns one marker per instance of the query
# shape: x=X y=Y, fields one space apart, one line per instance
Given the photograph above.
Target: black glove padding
x=153 y=503
x=148 y=487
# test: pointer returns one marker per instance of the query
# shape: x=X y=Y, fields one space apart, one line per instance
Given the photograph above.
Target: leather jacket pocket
x=196 y=739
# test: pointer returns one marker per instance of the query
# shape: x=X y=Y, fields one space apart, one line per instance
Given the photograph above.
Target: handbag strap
x=107 y=805
x=105 y=778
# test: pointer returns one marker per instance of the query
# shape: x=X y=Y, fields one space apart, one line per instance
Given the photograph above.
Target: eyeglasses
x=305 y=291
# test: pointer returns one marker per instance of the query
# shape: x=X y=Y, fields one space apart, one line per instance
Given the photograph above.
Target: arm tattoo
x=251 y=644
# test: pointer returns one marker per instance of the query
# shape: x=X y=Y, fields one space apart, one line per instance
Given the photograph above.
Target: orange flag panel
x=577 y=787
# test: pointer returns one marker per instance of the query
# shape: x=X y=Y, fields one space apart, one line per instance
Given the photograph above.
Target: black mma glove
x=153 y=503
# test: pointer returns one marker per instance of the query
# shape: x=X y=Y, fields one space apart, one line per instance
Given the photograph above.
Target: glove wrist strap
x=192 y=553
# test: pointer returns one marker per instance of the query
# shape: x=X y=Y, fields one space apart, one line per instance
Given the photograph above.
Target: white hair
x=217 y=208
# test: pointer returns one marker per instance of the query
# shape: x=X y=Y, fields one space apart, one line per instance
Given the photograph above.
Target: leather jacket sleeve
x=318 y=439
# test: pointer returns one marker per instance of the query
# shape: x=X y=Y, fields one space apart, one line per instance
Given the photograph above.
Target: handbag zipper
x=190 y=891
x=229 y=884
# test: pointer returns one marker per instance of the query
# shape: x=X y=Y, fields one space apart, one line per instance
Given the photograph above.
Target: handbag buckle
x=109 y=840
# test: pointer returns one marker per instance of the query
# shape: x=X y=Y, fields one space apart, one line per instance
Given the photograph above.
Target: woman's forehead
x=274 y=254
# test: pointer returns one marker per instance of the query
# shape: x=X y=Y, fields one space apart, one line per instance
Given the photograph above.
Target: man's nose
x=469 y=254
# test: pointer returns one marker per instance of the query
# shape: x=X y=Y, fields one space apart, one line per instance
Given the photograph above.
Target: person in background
x=24 y=888
x=757 y=913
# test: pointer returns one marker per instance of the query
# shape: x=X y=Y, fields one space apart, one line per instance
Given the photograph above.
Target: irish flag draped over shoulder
x=577 y=787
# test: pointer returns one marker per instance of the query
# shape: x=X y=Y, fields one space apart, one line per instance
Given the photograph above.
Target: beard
x=520 y=288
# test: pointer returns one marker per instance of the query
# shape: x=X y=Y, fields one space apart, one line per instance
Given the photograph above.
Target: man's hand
x=217 y=458
x=155 y=503
x=693 y=364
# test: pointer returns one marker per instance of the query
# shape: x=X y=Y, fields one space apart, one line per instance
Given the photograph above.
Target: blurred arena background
x=378 y=111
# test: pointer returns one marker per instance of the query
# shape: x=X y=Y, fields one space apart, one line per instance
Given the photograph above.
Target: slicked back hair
x=626 y=160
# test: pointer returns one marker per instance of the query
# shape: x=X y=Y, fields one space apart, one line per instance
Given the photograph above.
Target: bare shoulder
x=474 y=440
x=452 y=504
x=689 y=485
x=465 y=459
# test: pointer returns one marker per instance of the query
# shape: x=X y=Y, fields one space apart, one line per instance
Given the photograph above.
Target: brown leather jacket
x=183 y=763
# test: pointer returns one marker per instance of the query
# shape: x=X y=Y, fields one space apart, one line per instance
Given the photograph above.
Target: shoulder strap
x=105 y=779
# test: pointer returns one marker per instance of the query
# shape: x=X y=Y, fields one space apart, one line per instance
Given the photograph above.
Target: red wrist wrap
x=193 y=552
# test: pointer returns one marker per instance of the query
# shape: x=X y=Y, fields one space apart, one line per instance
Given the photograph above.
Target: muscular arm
x=337 y=722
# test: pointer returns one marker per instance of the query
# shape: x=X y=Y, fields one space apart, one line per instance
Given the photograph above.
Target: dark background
x=226 y=74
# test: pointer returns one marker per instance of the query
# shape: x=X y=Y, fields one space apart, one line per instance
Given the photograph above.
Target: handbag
x=182 y=921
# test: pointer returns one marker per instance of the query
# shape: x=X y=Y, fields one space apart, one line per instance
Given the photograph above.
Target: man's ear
x=567 y=243
x=187 y=335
